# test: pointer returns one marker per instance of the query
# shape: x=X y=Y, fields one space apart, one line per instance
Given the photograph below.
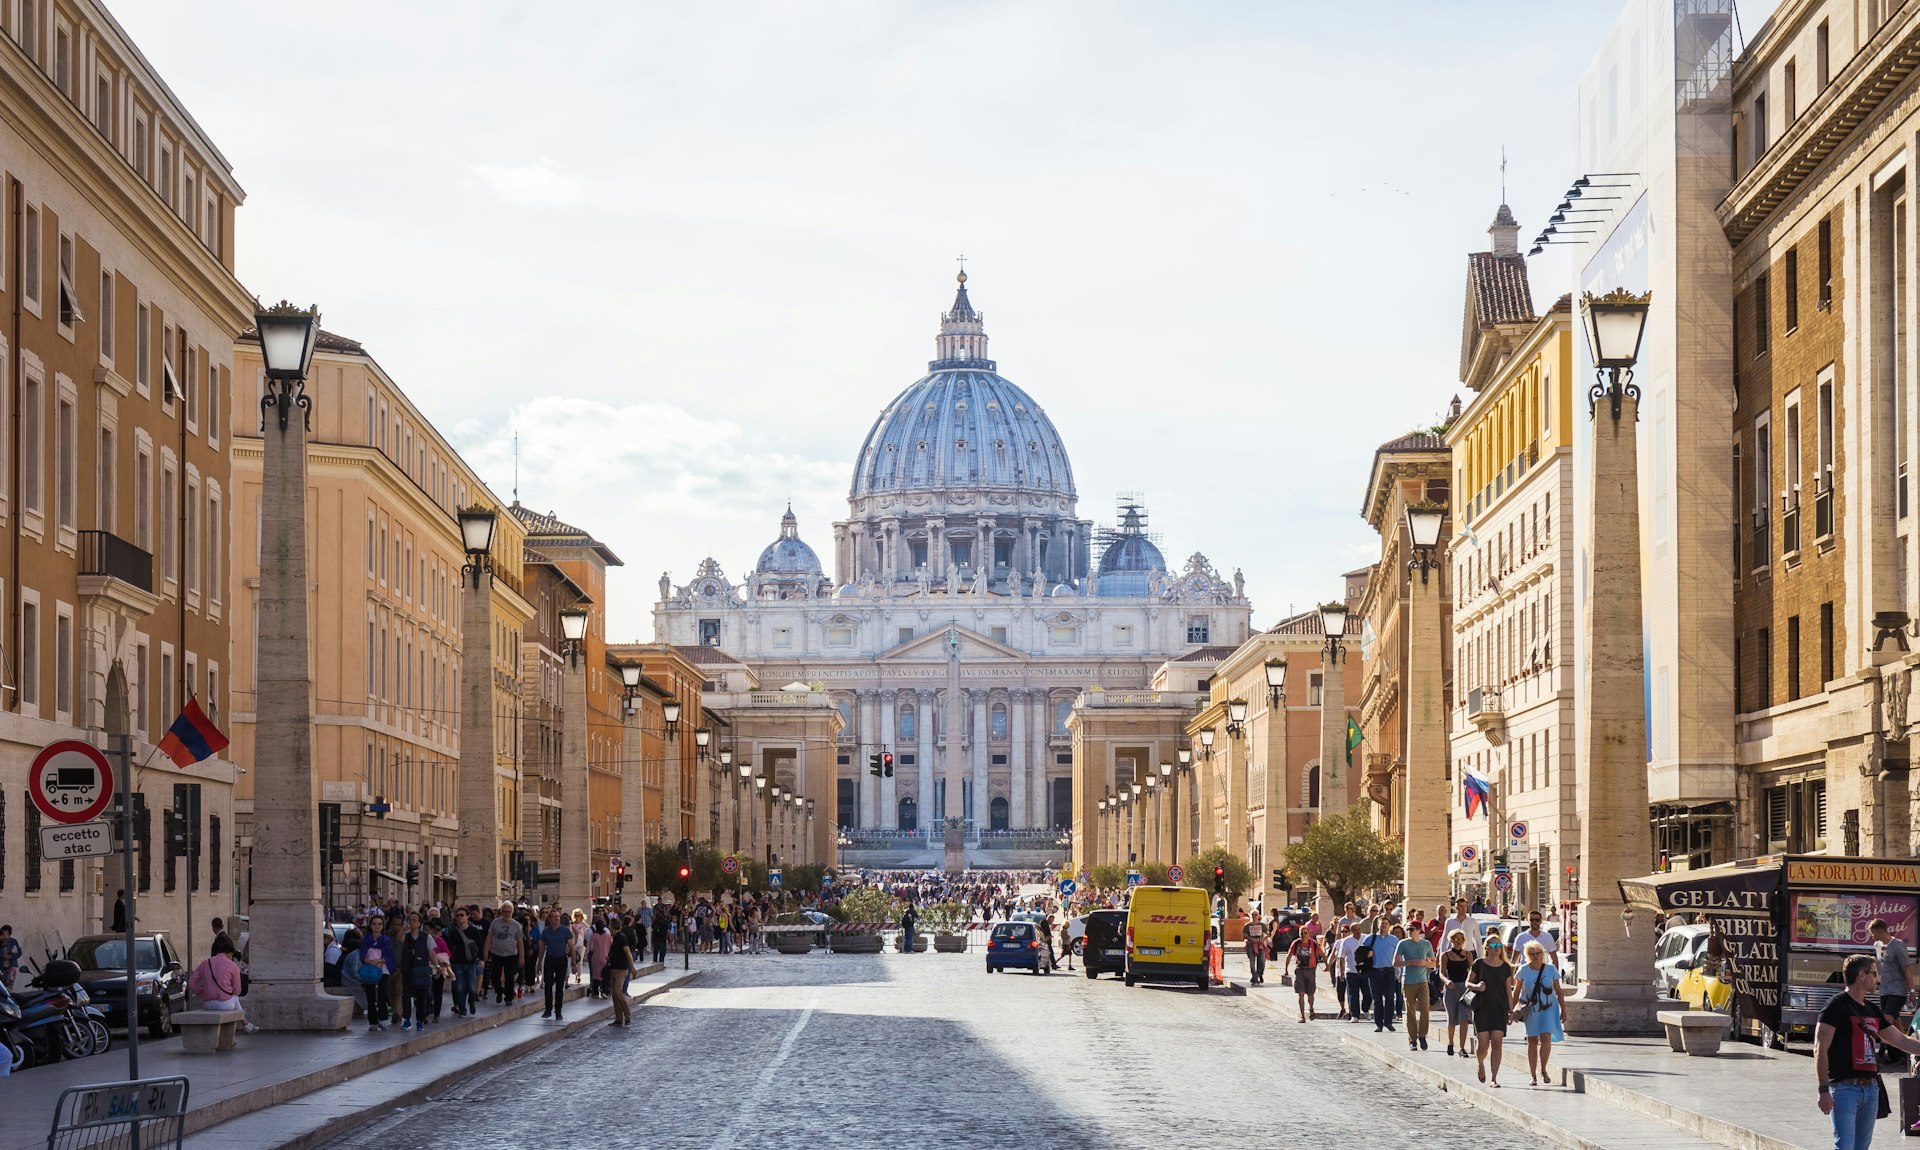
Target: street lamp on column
x=1136 y=812
x=287 y=992
x=573 y=632
x=1276 y=680
x=759 y=797
x=670 y=711
x=1424 y=521
x=1206 y=743
x=479 y=807
x=1153 y=789
x=630 y=681
x=1333 y=623
x=1185 y=769
x=1236 y=717
x=1166 y=788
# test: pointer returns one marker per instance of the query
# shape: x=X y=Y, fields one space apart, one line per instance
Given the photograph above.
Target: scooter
x=46 y=1021
x=17 y=1051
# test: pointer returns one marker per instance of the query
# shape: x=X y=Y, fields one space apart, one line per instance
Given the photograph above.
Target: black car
x=158 y=972
x=1105 y=951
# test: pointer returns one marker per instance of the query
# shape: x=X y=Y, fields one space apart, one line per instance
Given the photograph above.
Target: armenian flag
x=192 y=737
x=1475 y=794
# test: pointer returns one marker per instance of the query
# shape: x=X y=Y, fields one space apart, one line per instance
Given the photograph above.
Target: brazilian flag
x=1353 y=739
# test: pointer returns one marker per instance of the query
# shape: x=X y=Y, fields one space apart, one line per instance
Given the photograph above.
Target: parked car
x=1105 y=942
x=1678 y=951
x=1018 y=944
x=160 y=978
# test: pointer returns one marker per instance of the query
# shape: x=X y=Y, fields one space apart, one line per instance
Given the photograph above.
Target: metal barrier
x=150 y=1114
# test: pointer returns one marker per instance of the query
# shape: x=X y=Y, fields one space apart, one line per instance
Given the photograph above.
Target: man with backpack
x=463 y=954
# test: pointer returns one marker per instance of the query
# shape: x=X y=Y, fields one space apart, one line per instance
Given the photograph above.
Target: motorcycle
x=48 y=1018
x=17 y=1051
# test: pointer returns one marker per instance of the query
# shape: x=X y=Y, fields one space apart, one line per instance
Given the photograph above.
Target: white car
x=1678 y=951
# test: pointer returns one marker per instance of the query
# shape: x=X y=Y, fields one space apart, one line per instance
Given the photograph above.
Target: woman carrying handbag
x=1536 y=996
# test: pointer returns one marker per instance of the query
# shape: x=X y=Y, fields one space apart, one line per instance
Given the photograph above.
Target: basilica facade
x=969 y=605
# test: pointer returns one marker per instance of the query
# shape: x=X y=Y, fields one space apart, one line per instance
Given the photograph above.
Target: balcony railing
x=104 y=553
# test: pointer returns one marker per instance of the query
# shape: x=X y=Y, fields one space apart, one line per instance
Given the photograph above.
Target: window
x=103 y=101
x=1792 y=300
x=905 y=634
x=783 y=636
x=138 y=691
x=1788 y=93
x=142 y=500
x=29 y=31
x=31 y=446
x=30 y=257
x=30 y=653
x=999 y=721
x=1757 y=129
x=1822 y=48
x=63 y=60
x=104 y=517
x=906 y=721
x=1790 y=482
x=1197 y=629
x=1066 y=634
x=1762 y=303
x=1123 y=634
x=1823 y=258
x=1763 y=658
x=709 y=632
x=1313 y=689
x=214 y=394
x=190 y=535
x=1761 y=486
x=67 y=450
x=142 y=348
x=169 y=519
x=69 y=299
x=106 y=316
x=1826 y=645
x=63 y=664
x=999 y=634
x=1793 y=657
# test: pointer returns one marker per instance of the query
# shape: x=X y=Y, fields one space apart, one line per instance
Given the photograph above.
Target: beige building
x=1827 y=578
x=117 y=266
x=1511 y=567
x=384 y=489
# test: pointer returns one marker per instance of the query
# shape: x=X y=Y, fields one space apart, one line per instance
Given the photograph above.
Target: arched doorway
x=909 y=814
x=997 y=814
x=117 y=717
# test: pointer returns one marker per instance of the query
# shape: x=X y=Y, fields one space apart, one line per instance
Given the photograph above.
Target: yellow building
x=386 y=558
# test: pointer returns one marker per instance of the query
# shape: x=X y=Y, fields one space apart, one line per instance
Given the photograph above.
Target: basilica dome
x=789 y=554
x=962 y=426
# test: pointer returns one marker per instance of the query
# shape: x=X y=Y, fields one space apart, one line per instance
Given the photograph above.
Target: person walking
x=1352 y=980
x=1537 y=995
x=463 y=955
x=1846 y=1054
x=557 y=944
x=416 y=974
x=1414 y=959
x=909 y=919
x=660 y=927
x=1456 y=963
x=1384 y=945
x=599 y=945
x=505 y=944
x=580 y=931
x=1303 y=959
x=1492 y=1007
x=1896 y=969
x=616 y=966
x=377 y=962
x=1463 y=921
x=1254 y=934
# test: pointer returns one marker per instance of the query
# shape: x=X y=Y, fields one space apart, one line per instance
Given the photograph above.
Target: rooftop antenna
x=516 y=465
x=1503 y=173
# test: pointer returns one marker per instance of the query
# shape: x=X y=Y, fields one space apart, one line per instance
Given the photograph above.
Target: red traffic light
x=686 y=873
x=1219 y=872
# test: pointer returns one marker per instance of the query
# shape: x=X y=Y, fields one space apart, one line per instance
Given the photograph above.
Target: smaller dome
x=1130 y=559
x=788 y=555
x=1064 y=589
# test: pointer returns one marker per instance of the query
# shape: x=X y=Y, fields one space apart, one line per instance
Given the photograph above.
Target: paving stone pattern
x=891 y=1050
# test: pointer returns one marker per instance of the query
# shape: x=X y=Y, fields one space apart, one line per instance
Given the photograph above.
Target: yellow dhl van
x=1167 y=935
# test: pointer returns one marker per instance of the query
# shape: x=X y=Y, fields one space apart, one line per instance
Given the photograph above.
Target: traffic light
x=686 y=874
x=1219 y=880
x=886 y=764
x=413 y=873
x=873 y=764
x=619 y=877
x=1281 y=881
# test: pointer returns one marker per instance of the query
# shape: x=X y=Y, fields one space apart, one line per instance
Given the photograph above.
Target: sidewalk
x=239 y=1098
x=1609 y=1093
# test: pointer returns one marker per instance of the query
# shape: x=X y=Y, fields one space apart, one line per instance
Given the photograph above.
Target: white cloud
x=537 y=185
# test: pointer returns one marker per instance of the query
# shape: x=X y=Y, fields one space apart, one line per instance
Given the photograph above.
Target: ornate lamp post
x=1099 y=852
x=759 y=797
x=576 y=840
x=1167 y=824
x=286 y=992
x=1615 y=835
x=633 y=778
x=709 y=810
x=1333 y=711
x=1153 y=790
x=480 y=836
x=1276 y=669
x=1424 y=799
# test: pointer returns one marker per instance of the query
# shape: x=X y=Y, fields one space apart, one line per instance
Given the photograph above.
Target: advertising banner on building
x=1740 y=907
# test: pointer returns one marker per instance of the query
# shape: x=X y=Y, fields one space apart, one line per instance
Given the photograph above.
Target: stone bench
x=1695 y=1031
x=208 y=1031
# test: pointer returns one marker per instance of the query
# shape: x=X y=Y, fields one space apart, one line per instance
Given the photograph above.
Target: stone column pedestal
x=286 y=992
x=1616 y=991
x=576 y=841
x=1426 y=798
x=479 y=808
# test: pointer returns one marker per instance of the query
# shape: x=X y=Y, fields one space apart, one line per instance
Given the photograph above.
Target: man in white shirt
x=1535 y=933
x=1350 y=980
x=1465 y=924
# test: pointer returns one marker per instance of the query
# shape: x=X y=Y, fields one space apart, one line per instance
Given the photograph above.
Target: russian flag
x=192 y=737
x=1475 y=794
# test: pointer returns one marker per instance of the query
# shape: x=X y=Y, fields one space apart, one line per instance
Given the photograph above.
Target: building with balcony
x=384 y=489
x=115 y=491
x=1826 y=553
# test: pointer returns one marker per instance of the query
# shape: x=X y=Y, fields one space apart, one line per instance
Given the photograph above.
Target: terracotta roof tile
x=1501 y=293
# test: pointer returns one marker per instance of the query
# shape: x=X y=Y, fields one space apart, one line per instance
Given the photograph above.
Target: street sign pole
x=122 y=747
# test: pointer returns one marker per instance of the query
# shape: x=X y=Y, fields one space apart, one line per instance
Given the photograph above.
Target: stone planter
x=795 y=943
x=919 y=943
x=856 y=943
x=950 y=943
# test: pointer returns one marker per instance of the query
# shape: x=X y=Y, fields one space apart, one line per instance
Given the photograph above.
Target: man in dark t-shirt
x=1846 y=1054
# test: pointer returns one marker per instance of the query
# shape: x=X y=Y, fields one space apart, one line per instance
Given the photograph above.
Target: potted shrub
x=791 y=933
x=869 y=906
x=947 y=922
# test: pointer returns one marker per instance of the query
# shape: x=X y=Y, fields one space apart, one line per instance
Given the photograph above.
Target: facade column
x=863 y=782
x=576 y=838
x=978 y=757
x=287 y=992
x=1615 y=837
x=1018 y=763
x=937 y=550
x=924 y=704
x=479 y=801
x=1207 y=785
x=889 y=790
x=1238 y=755
x=1333 y=731
x=1425 y=794
x=1280 y=783
x=1040 y=791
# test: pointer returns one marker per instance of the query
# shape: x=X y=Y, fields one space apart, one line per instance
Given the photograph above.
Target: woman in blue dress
x=1537 y=988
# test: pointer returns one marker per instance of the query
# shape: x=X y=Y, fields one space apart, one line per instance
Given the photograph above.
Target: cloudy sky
x=689 y=251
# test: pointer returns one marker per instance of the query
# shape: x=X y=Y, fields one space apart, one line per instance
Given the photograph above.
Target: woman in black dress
x=1489 y=980
x=1456 y=967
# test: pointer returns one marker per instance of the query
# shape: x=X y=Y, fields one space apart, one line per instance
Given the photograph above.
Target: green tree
x=1107 y=876
x=1153 y=873
x=1239 y=876
x=1345 y=854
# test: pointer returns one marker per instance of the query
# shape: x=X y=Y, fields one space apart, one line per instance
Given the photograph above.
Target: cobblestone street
x=843 y=1050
